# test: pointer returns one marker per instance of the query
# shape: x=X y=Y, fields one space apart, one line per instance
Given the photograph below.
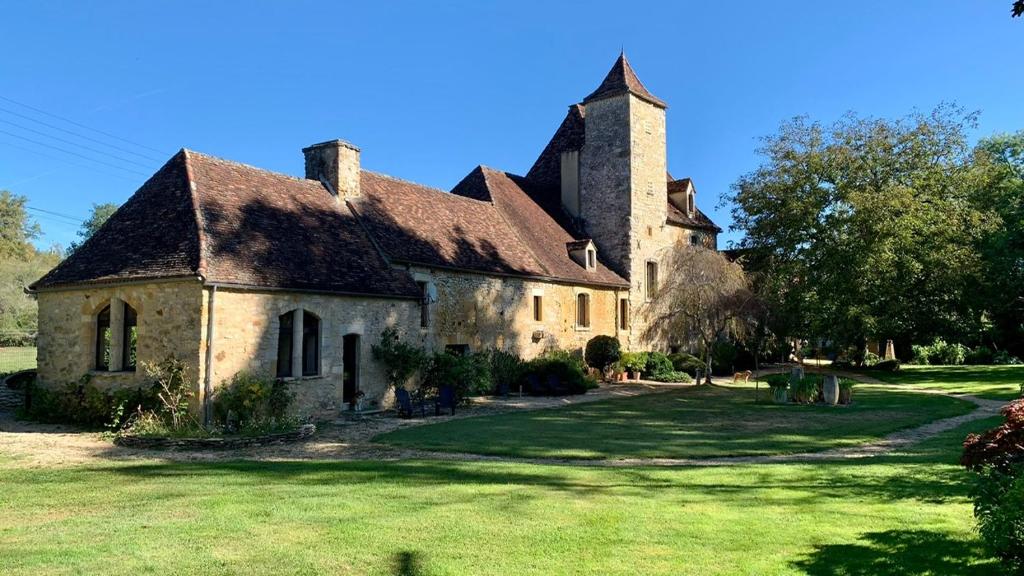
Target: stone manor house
x=233 y=268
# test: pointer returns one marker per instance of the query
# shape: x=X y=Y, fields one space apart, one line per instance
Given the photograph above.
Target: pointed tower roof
x=622 y=80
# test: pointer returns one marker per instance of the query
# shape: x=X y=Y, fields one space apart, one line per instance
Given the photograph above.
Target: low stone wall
x=229 y=443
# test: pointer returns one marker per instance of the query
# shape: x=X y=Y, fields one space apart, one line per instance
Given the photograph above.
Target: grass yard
x=683 y=423
x=884 y=515
x=997 y=382
x=17 y=358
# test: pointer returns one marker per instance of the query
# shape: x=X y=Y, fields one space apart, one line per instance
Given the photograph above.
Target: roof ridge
x=197 y=212
x=244 y=165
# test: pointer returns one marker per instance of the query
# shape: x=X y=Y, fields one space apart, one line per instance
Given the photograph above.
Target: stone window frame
x=428 y=297
x=297 y=354
x=623 y=314
x=591 y=259
x=650 y=280
x=583 y=319
x=112 y=355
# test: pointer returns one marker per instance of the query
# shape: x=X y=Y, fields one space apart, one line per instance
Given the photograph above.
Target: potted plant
x=778 y=384
x=846 y=391
x=634 y=362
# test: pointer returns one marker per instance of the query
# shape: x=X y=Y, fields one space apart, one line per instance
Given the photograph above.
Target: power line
x=36 y=142
x=68 y=162
x=107 y=134
x=52 y=213
x=59 y=139
x=76 y=134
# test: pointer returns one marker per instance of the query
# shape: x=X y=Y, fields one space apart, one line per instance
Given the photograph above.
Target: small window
x=591 y=259
x=650 y=188
x=284 y=345
x=695 y=240
x=623 y=314
x=129 y=338
x=310 y=344
x=103 y=339
x=583 y=310
x=689 y=202
x=457 y=349
x=652 y=279
x=424 y=304
x=538 y=308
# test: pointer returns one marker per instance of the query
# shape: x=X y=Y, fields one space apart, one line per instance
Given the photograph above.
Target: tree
x=864 y=229
x=98 y=217
x=705 y=299
x=1017 y=9
x=16 y=229
x=602 y=351
x=999 y=161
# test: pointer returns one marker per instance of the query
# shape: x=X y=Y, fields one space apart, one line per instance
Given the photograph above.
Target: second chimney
x=336 y=164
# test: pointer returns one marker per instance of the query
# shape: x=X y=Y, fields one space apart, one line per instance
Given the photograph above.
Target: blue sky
x=430 y=91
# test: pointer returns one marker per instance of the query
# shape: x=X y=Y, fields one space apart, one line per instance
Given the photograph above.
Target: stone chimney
x=336 y=164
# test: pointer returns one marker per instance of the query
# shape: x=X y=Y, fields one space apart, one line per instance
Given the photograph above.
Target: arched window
x=310 y=344
x=284 y=345
x=689 y=203
x=583 y=310
x=129 y=338
x=103 y=339
x=309 y=362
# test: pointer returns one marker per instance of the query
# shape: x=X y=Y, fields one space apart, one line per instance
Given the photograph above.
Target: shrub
x=634 y=361
x=83 y=404
x=870 y=359
x=602 y=352
x=507 y=370
x=401 y=360
x=251 y=401
x=1004 y=357
x=939 y=352
x=672 y=376
x=657 y=365
x=777 y=380
x=804 y=390
x=557 y=373
x=683 y=362
x=468 y=374
x=997 y=457
x=979 y=356
x=887 y=366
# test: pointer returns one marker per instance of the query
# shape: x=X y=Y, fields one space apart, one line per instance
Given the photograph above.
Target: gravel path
x=37 y=445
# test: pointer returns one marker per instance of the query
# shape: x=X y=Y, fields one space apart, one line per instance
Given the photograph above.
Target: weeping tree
x=705 y=299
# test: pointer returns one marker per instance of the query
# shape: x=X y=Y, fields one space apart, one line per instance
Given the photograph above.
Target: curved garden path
x=39 y=445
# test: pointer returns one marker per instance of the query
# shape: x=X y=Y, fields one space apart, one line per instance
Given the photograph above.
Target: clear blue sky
x=430 y=92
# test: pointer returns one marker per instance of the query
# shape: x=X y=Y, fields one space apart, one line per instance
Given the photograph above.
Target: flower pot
x=635 y=375
x=845 y=395
x=779 y=394
x=830 y=390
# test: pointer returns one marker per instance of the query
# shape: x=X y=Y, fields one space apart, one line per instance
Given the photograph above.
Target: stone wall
x=497 y=312
x=246 y=329
x=168 y=324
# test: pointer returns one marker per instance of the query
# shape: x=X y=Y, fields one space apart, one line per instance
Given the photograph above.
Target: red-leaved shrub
x=1002 y=446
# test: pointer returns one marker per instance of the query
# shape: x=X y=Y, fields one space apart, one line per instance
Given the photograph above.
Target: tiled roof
x=258 y=229
x=538 y=221
x=622 y=80
x=153 y=235
x=699 y=220
x=547 y=170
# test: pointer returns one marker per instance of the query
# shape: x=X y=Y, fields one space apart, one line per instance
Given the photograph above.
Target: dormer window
x=584 y=253
x=689 y=202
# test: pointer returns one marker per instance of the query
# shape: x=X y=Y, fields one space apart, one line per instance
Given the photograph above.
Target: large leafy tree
x=864 y=228
x=98 y=217
x=999 y=161
x=17 y=230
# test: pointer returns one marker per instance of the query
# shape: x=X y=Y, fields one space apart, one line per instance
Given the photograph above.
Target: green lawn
x=885 y=515
x=684 y=423
x=15 y=359
x=997 y=382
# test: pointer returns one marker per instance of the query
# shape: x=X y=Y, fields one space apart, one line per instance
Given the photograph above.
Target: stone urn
x=845 y=395
x=830 y=389
x=779 y=394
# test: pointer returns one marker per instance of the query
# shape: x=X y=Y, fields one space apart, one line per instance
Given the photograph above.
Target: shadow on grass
x=407 y=563
x=897 y=553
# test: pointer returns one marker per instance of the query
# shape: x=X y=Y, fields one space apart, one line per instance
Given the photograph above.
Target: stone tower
x=623 y=183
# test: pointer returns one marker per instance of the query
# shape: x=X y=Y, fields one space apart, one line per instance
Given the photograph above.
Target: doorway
x=350 y=364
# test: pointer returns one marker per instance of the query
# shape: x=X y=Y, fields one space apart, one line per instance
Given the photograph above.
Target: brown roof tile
x=622 y=80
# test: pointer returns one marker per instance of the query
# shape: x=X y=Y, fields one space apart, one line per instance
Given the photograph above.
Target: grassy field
x=685 y=423
x=15 y=359
x=998 y=382
x=884 y=515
